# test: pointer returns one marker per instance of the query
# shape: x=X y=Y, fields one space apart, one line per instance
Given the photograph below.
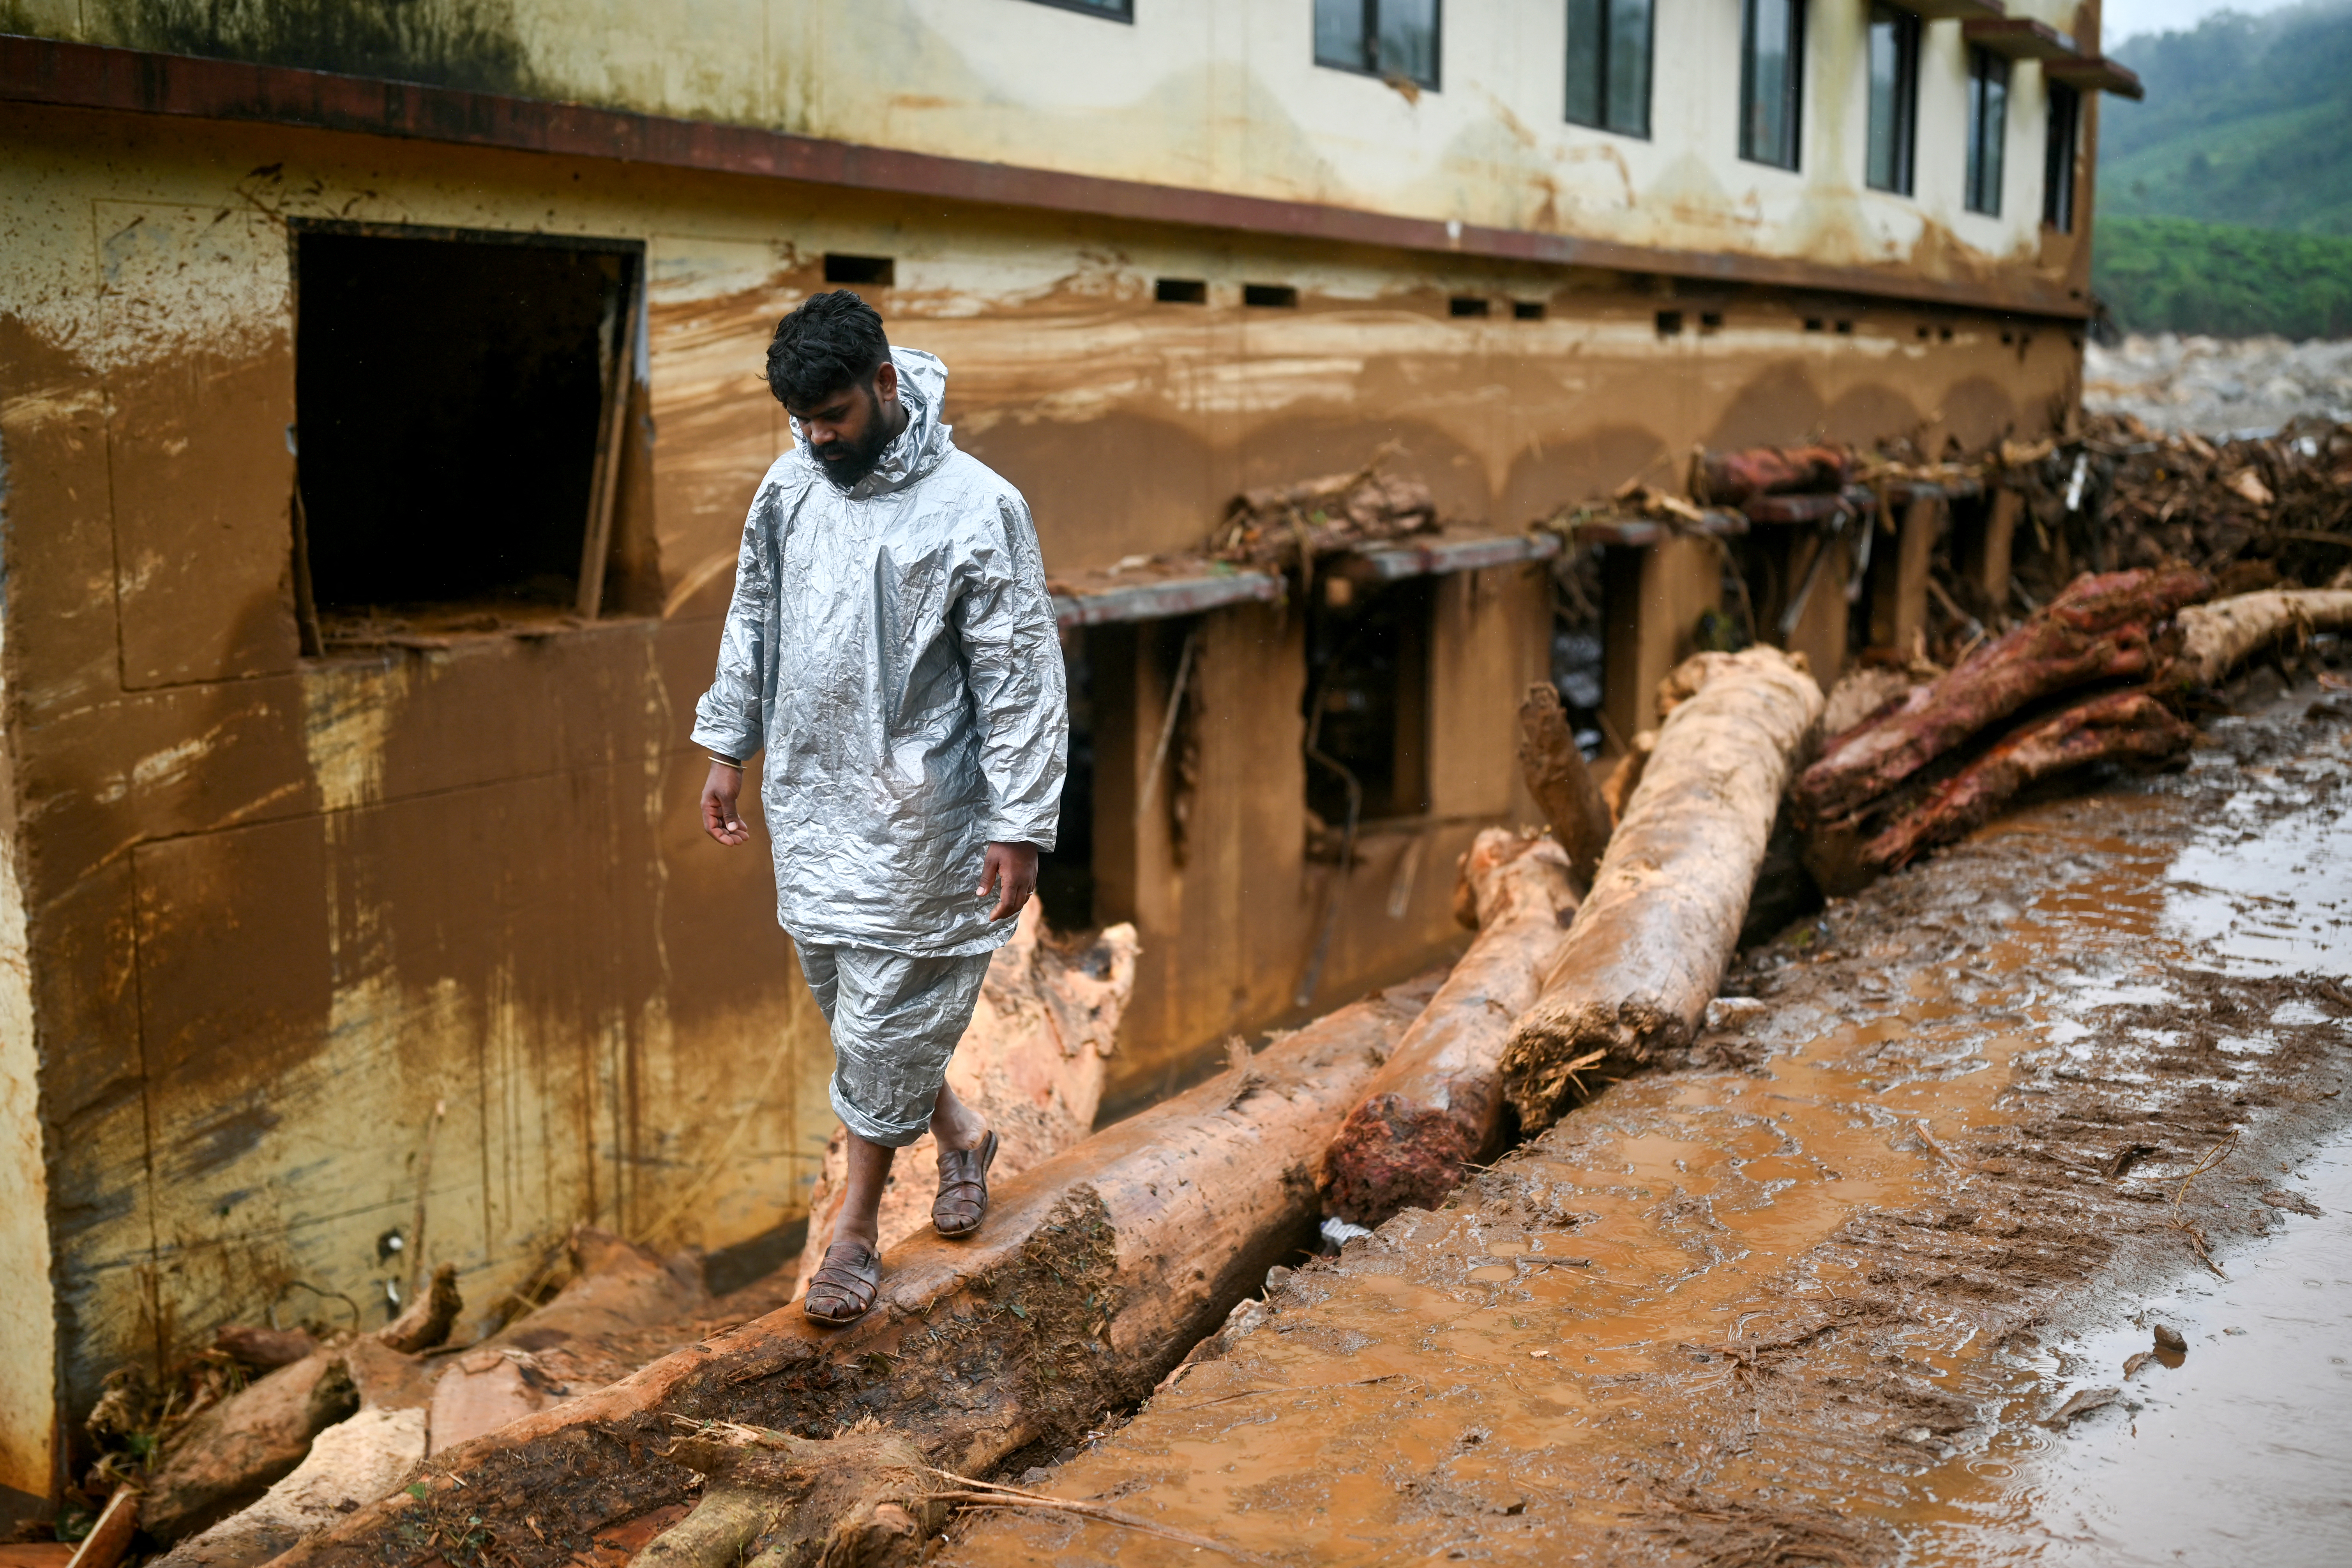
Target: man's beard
x=845 y=463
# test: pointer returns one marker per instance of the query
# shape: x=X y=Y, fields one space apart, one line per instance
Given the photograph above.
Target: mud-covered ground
x=1795 y=1302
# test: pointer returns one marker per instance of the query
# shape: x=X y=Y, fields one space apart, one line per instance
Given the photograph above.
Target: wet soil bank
x=1825 y=1293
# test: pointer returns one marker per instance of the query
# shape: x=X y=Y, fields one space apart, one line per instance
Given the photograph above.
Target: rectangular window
x=504 y=358
x=2058 y=162
x=1608 y=65
x=1894 y=98
x=1988 y=128
x=1772 y=81
x=1379 y=37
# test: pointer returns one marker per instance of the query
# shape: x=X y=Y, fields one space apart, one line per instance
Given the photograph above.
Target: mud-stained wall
x=1223 y=95
x=308 y=937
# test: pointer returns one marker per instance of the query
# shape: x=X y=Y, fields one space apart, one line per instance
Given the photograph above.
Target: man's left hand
x=1014 y=868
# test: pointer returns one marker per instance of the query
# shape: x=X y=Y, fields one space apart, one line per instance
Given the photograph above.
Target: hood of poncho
x=915 y=451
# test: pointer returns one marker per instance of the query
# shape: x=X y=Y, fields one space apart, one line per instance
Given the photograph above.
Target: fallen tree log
x=2117 y=726
x=350 y=1464
x=1438 y=1102
x=2216 y=637
x=2097 y=629
x=1094 y=1274
x=1032 y=1063
x=865 y=1499
x=1561 y=784
x=216 y=1462
x=1650 y=942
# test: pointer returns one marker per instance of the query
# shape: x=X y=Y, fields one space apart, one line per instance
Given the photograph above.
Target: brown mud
x=1788 y=1302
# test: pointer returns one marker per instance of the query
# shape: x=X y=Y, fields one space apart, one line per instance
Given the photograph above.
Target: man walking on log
x=891 y=648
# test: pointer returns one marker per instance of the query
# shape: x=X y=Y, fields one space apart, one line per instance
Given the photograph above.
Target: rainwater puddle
x=2242 y=1454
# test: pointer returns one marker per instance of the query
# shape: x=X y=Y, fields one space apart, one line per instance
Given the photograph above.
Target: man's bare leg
x=955 y=1125
x=861 y=1192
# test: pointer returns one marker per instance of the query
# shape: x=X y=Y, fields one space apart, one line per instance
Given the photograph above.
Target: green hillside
x=2174 y=274
x=2247 y=121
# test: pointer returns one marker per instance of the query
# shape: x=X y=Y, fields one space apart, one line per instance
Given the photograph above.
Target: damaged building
x=380 y=403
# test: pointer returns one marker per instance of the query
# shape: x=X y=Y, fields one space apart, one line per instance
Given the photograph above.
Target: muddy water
x=1801 y=1307
x=2239 y=1451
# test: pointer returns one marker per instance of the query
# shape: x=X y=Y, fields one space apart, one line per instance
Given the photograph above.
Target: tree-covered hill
x=2247 y=121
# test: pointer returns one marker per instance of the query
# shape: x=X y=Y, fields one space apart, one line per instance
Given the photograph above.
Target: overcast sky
x=2122 y=19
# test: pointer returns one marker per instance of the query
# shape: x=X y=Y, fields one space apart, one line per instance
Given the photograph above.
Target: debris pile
x=2217 y=386
x=1284 y=526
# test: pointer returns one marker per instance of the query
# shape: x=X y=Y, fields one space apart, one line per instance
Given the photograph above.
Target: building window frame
x=1107 y=10
x=1370 y=56
x=1989 y=84
x=2060 y=155
x=1758 y=98
x=1892 y=55
x=1604 y=22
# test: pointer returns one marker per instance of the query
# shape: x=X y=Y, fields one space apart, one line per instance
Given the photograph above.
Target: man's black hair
x=830 y=342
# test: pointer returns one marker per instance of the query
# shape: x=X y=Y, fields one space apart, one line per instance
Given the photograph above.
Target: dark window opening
x=1670 y=323
x=1710 y=321
x=1527 y=310
x=1066 y=874
x=1279 y=296
x=881 y=271
x=1944 y=334
x=1368 y=703
x=1846 y=327
x=1578 y=643
x=1894 y=98
x=2058 y=158
x=1988 y=128
x=1813 y=324
x=457 y=419
x=1180 y=291
x=1378 y=38
x=1772 y=81
x=1923 y=331
x=1466 y=305
x=1608 y=65
x=1110 y=10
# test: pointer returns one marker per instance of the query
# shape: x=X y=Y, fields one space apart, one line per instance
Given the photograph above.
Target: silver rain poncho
x=892 y=649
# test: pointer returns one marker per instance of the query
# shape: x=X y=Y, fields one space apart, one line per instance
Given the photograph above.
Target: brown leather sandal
x=962 y=1202
x=847 y=1287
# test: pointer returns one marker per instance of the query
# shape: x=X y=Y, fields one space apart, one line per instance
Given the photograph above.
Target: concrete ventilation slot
x=1527 y=309
x=1180 y=291
x=877 y=271
x=1466 y=305
x=1670 y=323
x=1277 y=296
x=457 y=422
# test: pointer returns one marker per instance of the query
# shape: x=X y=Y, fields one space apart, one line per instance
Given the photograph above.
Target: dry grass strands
x=2213 y=1156
x=1648 y=947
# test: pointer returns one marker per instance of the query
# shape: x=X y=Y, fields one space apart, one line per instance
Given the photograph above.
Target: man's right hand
x=719 y=816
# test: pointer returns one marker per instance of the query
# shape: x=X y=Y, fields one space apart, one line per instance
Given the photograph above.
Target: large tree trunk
x=1093 y=1274
x=2119 y=725
x=1648 y=947
x=2215 y=637
x=216 y=1462
x=1438 y=1103
x=1561 y=784
x=1032 y=1063
x=863 y=1499
x=2097 y=629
